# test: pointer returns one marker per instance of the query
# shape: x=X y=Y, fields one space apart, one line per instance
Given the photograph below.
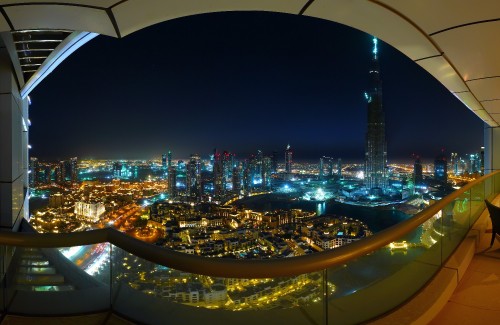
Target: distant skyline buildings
x=62 y=171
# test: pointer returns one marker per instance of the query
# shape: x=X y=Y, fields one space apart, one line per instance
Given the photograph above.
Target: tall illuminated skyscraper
x=33 y=173
x=265 y=172
x=169 y=161
x=218 y=172
x=454 y=160
x=74 y=169
x=236 y=178
x=441 y=168
x=376 y=147
x=193 y=177
x=288 y=159
x=274 y=162
x=172 y=181
x=164 y=161
x=417 y=172
x=320 y=168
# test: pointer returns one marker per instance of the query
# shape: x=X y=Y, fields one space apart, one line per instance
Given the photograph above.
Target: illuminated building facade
x=321 y=167
x=454 y=162
x=117 y=170
x=172 y=181
x=236 y=180
x=441 y=169
x=417 y=172
x=219 y=179
x=288 y=159
x=274 y=162
x=474 y=163
x=73 y=162
x=164 y=161
x=89 y=210
x=376 y=147
x=266 y=172
x=193 y=177
x=33 y=172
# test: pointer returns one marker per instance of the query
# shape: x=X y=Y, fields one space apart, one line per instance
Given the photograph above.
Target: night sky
x=241 y=82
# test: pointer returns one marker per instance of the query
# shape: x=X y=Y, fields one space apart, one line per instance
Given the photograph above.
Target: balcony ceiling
x=455 y=41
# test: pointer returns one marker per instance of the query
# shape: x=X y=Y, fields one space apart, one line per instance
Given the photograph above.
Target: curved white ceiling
x=456 y=41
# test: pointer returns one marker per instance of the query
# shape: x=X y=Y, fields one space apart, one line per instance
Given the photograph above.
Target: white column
x=491 y=149
x=13 y=148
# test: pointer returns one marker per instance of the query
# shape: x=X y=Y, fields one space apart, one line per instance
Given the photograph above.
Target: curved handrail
x=231 y=268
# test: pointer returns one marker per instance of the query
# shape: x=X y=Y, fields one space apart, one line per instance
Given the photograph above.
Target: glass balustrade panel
x=154 y=294
x=58 y=281
x=477 y=197
x=456 y=222
x=371 y=285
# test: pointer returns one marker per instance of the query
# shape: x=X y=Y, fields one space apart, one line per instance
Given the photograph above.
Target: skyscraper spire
x=376 y=147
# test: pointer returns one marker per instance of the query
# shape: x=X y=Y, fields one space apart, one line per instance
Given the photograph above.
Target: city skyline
x=269 y=80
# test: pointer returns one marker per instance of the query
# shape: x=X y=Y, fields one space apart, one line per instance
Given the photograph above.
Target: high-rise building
x=193 y=177
x=454 y=161
x=288 y=159
x=59 y=172
x=417 y=172
x=326 y=163
x=339 y=168
x=474 y=163
x=441 y=169
x=320 y=168
x=169 y=159
x=274 y=162
x=74 y=169
x=33 y=172
x=164 y=161
x=117 y=169
x=236 y=180
x=227 y=167
x=247 y=177
x=62 y=171
x=219 y=180
x=266 y=173
x=172 y=182
x=376 y=147
x=48 y=174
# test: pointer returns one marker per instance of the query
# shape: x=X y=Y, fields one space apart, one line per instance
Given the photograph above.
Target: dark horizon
x=241 y=82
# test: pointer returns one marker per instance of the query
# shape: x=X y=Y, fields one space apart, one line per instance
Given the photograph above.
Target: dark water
x=375 y=218
x=38 y=203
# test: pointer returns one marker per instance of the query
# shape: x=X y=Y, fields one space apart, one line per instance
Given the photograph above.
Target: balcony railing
x=43 y=273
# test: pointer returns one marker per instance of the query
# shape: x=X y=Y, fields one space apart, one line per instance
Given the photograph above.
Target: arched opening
x=417 y=37
x=320 y=78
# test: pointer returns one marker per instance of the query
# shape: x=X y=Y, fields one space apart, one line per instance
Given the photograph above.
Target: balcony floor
x=476 y=300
